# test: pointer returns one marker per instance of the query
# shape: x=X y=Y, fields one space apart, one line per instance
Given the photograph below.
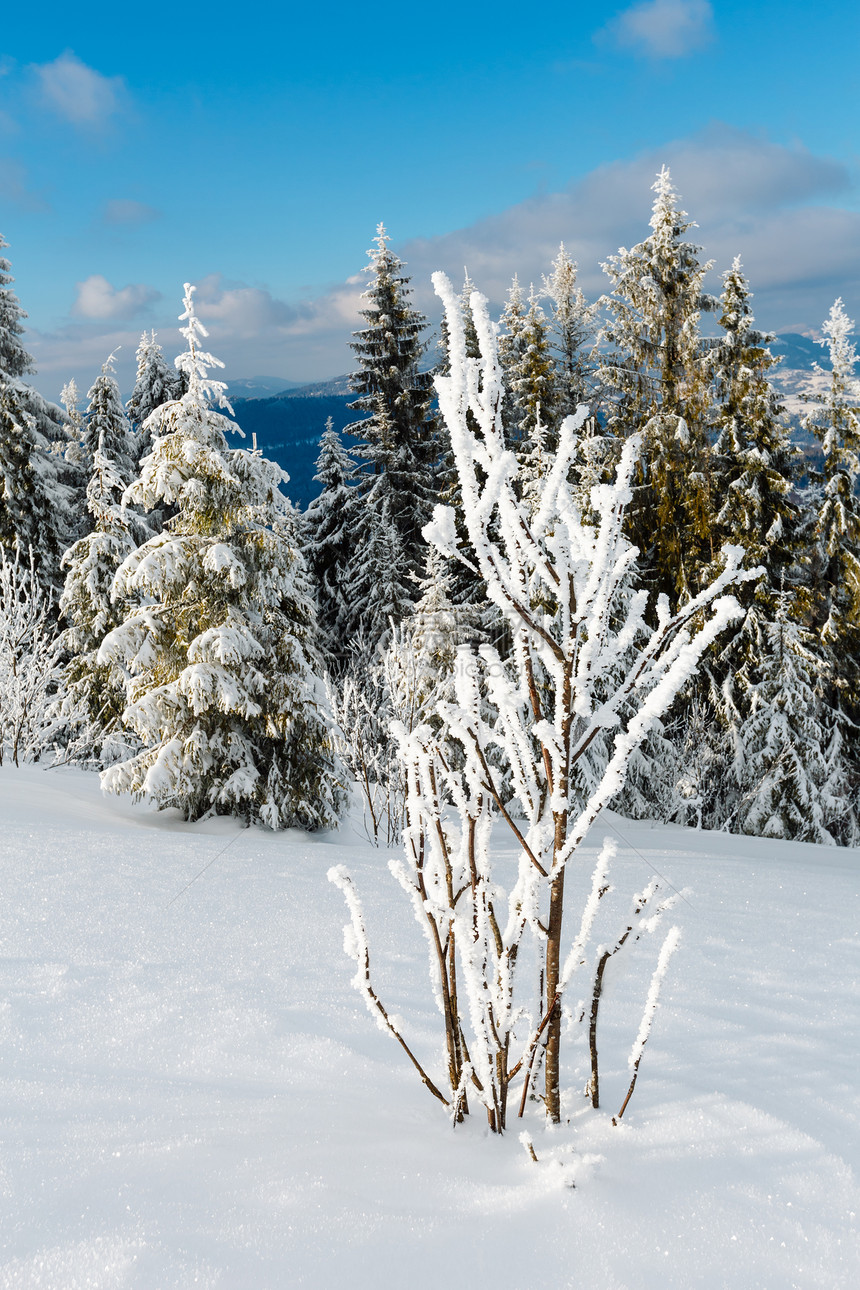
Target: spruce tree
x=754 y=474
x=755 y=466
x=330 y=523
x=37 y=486
x=836 y=423
x=378 y=584
x=836 y=553
x=218 y=634
x=398 y=436
x=95 y=692
x=789 y=786
x=155 y=383
x=572 y=324
x=531 y=378
x=511 y=353
x=70 y=397
x=15 y=362
x=105 y=422
x=656 y=373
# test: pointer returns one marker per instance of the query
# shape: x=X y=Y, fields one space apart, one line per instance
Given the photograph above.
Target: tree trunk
x=553 y=953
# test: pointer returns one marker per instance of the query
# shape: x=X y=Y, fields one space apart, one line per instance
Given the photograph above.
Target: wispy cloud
x=124 y=211
x=79 y=93
x=662 y=28
x=97 y=298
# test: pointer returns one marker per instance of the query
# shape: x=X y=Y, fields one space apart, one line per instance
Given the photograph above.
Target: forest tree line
x=204 y=631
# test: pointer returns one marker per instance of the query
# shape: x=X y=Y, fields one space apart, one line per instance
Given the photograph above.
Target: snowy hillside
x=193 y=1095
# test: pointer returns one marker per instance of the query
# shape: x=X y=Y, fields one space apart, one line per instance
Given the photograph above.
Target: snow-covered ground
x=192 y=1095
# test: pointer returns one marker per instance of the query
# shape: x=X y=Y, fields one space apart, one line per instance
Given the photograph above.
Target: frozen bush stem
x=355 y=945
x=669 y=946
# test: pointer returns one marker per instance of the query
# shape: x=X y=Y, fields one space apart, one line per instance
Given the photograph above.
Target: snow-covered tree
x=754 y=473
x=654 y=370
x=572 y=326
x=15 y=362
x=330 y=524
x=511 y=353
x=790 y=772
x=836 y=422
x=106 y=424
x=70 y=397
x=37 y=486
x=378 y=584
x=755 y=466
x=398 y=438
x=155 y=383
x=217 y=638
x=479 y=928
x=835 y=554
x=531 y=378
x=94 y=693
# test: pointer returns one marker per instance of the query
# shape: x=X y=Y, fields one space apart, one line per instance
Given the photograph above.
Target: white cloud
x=769 y=203
x=662 y=28
x=97 y=298
x=240 y=310
x=124 y=211
x=77 y=92
x=237 y=313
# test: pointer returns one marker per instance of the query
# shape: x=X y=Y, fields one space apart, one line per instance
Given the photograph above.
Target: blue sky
x=254 y=153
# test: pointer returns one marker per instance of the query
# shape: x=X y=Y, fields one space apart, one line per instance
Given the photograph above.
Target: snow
x=193 y=1095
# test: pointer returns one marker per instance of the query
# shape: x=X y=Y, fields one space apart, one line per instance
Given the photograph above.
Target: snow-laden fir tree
x=422 y=656
x=531 y=379
x=836 y=552
x=70 y=397
x=94 y=692
x=754 y=475
x=791 y=776
x=330 y=524
x=217 y=637
x=155 y=383
x=655 y=375
x=836 y=422
x=511 y=352
x=378 y=584
x=106 y=423
x=398 y=437
x=37 y=486
x=755 y=466
x=572 y=326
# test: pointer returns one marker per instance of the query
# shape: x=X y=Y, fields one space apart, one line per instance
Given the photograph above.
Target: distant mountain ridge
x=289 y=424
x=260 y=387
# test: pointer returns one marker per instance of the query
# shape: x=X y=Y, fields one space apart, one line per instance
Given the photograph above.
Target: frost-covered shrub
x=585 y=664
